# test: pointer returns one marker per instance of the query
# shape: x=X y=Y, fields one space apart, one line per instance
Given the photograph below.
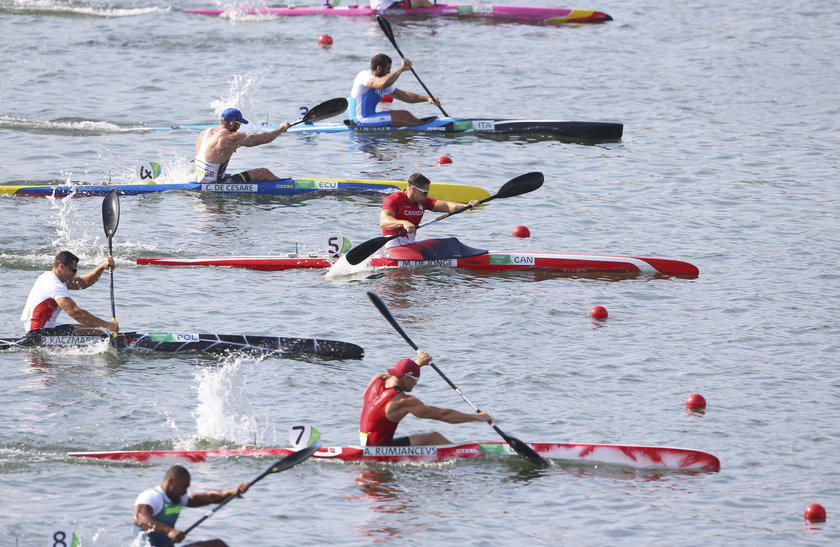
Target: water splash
x=240 y=89
x=223 y=410
x=247 y=10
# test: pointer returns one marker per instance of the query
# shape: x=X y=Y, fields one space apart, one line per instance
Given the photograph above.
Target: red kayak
x=495 y=261
x=638 y=457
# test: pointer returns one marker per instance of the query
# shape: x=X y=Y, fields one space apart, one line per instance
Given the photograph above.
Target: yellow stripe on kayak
x=459 y=193
x=10 y=190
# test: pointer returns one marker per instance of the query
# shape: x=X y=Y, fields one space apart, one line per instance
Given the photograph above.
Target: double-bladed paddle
x=326 y=109
x=514 y=187
x=286 y=463
x=110 y=221
x=386 y=28
x=520 y=447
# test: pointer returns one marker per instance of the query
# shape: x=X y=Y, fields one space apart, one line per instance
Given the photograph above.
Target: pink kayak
x=517 y=13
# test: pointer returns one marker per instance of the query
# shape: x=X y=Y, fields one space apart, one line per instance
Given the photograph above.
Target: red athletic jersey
x=374 y=427
x=405 y=209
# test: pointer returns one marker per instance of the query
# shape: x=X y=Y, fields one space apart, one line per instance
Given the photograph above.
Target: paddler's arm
x=450 y=206
x=410 y=97
x=200 y=499
x=381 y=82
x=84 y=281
x=146 y=521
x=263 y=138
x=84 y=317
x=414 y=406
x=388 y=221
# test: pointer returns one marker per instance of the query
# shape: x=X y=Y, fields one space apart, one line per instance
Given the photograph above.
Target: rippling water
x=729 y=161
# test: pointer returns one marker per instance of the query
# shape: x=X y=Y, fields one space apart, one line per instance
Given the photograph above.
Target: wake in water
x=68 y=126
x=87 y=9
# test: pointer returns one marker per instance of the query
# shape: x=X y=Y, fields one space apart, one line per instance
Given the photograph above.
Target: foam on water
x=92 y=9
x=223 y=410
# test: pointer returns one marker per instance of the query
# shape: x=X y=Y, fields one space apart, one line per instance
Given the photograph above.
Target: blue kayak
x=596 y=131
x=460 y=193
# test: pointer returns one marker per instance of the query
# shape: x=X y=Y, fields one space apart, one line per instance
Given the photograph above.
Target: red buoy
x=598 y=312
x=444 y=160
x=695 y=402
x=521 y=231
x=815 y=513
x=325 y=40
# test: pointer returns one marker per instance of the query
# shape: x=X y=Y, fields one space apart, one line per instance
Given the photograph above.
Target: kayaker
x=50 y=295
x=386 y=403
x=215 y=146
x=403 y=210
x=371 y=85
x=157 y=509
x=380 y=5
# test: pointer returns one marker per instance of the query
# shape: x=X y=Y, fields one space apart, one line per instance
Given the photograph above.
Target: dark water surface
x=729 y=161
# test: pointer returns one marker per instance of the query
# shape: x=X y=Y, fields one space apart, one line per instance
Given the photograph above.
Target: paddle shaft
x=110 y=222
x=389 y=33
x=111 y=271
x=520 y=447
x=286 y=463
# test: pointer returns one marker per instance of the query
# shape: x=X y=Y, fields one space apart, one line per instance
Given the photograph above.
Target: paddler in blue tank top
x=157 y=509
x=371 y=85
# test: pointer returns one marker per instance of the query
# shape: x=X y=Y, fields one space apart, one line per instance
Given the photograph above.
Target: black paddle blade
x=325 y=110
x=520 y=185
x=386 y=313
x=522 y=449
x=360 y=252
x=389 y=33
x=111 y=213
x=293 y=459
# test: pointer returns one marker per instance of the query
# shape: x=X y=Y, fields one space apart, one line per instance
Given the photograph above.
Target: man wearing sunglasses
x=50 y=294
x=402 y=211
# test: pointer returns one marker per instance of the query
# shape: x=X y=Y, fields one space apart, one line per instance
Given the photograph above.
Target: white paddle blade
x=302 y=436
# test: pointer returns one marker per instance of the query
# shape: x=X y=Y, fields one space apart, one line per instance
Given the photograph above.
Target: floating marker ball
x=815 y=513
x=325 y=40
x=598 y=312
x=444 y=160
x=521 y=231
x=695 y=402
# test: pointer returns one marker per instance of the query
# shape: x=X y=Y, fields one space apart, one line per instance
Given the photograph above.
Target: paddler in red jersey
x=386 y=403
x=403 y=211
